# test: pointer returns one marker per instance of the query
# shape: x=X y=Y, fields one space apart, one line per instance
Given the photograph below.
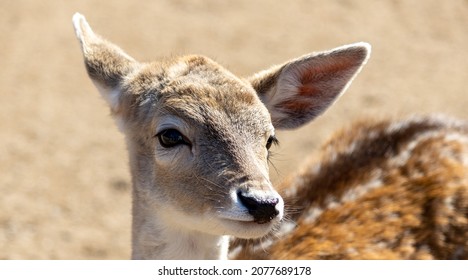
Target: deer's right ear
x=107 y=64
x=303 y=88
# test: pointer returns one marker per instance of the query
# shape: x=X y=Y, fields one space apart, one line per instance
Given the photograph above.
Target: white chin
x=247 y=229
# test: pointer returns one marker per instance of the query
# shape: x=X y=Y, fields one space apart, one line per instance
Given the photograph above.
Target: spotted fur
x=379 y=190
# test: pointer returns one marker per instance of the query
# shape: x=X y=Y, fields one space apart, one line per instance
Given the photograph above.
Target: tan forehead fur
x=191 y=87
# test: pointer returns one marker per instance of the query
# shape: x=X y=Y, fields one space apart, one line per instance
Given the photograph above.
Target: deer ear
x=107 y=64
x=301 y=89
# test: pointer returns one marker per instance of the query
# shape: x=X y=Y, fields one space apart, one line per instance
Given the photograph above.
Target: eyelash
x=272 y=140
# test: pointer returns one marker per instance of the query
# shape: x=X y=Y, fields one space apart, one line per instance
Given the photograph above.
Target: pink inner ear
x=326 y=77
x=300 y=108
x=307 y=90
x=317 y=84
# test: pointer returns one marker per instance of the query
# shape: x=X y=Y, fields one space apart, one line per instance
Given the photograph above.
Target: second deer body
x=393 y=189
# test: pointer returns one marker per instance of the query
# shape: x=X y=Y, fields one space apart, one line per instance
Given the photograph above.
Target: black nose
x=262 y=209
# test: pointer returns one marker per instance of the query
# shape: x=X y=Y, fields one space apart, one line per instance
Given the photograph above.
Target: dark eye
x=271 y=140
x=171 y=137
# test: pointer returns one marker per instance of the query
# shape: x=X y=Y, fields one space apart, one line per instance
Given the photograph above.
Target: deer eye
x=170 y=138
x=271 y=140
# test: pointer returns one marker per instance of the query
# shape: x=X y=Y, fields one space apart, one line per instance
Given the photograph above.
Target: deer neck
x=154 y=238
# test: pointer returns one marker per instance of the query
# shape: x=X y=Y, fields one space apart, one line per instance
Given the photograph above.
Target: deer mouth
x=246 y=226
x=248 y=229
x=250 y=219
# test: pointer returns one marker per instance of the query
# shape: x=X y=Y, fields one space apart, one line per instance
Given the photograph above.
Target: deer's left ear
x=107 y=64
x=301 y=89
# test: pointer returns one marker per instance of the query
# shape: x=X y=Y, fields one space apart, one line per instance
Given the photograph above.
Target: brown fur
x=410 y=185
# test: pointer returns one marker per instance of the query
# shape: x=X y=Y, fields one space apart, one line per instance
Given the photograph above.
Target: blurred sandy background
x=64 y=179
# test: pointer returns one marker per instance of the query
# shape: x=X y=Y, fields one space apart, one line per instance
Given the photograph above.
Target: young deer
x=198 y=139
x=380 y=190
